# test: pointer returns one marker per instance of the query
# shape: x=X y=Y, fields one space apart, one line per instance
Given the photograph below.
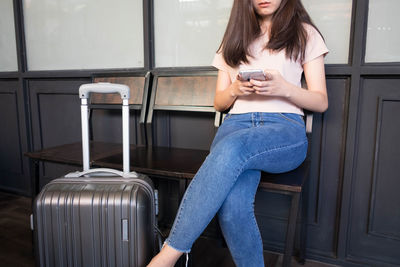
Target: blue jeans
x=227 y=181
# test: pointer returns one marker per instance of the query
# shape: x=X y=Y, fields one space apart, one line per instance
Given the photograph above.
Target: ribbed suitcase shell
x=96 y=221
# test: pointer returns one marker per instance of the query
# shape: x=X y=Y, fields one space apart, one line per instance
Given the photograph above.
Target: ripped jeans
x=227 y=181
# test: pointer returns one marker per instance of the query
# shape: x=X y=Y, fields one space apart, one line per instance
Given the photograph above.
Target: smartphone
x=256 y=74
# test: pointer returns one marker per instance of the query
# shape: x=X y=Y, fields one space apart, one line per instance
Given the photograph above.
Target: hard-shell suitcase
x=97 y=217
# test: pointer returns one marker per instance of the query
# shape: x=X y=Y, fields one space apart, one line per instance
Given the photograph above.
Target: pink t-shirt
x=264 y=59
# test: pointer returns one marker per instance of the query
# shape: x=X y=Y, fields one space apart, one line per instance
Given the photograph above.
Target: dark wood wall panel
x=197 y=132
x=50 y=171
x=55 y=112
x=384 y=221
x=374 y=228
x=55 y=115
x=14 y=171
x=10 y=146
x=325 y=184
x=161 y=128
x=184 y=129
x=107 y=125
x=58 y=119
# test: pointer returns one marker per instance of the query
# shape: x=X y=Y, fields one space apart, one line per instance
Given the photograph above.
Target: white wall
x=8 y=51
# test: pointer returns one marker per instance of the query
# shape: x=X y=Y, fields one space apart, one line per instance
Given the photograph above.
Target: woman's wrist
x=232 y=93
x=290 y=91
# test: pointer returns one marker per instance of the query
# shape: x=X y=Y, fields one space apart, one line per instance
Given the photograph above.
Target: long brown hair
x=287 y=31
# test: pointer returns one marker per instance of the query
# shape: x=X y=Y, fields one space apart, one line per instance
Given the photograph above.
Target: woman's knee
x=230 y=150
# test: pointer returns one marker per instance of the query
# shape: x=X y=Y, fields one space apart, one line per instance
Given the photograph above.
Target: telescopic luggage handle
x=105 y=88
x=102 y=172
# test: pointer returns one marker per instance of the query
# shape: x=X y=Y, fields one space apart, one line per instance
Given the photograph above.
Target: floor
x=16 y=240
x=15 y=231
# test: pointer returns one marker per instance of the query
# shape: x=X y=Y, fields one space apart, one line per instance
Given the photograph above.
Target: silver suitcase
x=97 y=217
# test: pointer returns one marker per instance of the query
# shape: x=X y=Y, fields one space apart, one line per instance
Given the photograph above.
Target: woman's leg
x=261 y=148
x=238 y=223
x=276 y=146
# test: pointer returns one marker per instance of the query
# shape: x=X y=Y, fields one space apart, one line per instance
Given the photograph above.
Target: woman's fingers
x=256 y=83
x=242 y=88
x=246 y=87
x=246 y=90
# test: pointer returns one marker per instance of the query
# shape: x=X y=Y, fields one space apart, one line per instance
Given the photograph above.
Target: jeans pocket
x=294 y=118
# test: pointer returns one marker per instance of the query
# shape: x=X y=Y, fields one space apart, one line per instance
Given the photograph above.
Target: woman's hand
x=226 y=92
x=274 y=85
x=241 y=88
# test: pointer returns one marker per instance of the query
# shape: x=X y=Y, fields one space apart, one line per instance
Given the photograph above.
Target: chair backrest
x=189 y=91
x=139 y=88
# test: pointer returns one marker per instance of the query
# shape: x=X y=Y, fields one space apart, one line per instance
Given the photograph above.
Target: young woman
x=264 y=130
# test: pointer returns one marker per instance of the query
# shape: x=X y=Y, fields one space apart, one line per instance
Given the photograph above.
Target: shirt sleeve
x=219 y=62
x=315 y=45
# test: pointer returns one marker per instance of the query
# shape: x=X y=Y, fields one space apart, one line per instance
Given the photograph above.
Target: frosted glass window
x=83 y=34
x=8 y=50
x=188 y=32
x=333 y=19
x=383 y=33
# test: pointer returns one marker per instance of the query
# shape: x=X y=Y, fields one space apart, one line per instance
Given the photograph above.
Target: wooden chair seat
x=292 y=181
